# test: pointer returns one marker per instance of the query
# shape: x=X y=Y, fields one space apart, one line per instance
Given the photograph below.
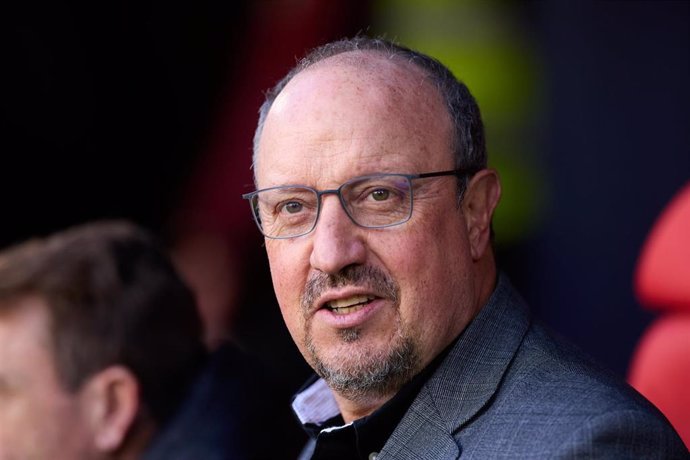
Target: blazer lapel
x=422 y=434
x=464 y=382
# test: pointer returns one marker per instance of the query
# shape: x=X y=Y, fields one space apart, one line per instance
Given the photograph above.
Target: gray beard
x=367 y=374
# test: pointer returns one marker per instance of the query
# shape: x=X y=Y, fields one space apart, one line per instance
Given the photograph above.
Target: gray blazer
x=509 y=389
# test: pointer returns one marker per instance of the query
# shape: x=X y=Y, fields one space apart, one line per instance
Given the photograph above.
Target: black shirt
x=365 y=437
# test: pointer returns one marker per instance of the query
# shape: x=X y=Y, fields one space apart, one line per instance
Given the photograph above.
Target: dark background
x=108 y=109
x=106 y=106
x=617 y=148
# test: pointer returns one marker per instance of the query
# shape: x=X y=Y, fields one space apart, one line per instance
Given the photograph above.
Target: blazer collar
x=465 y=381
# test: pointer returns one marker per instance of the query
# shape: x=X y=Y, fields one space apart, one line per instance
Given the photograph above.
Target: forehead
x=26 y=316
x=350 y=115
x=24 y=338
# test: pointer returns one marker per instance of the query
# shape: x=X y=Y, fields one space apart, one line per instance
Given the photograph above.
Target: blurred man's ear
x=111 y=403
x=481 y=197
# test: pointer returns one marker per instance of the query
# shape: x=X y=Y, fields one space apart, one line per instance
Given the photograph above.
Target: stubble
x=361 y=373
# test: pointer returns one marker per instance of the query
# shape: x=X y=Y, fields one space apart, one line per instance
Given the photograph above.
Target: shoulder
x=225 y=415
x=554 y=400
x=562 y=377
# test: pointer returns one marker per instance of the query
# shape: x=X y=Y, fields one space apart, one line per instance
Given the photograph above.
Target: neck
x=485 y=279
x=353 y=410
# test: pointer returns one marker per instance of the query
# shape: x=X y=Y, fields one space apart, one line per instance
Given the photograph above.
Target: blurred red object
x=660 y=368
x=663 y=272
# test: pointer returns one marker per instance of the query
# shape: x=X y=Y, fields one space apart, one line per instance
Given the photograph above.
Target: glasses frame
x=461 y=174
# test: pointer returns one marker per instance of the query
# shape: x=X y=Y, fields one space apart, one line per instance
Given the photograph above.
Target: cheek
x=16 y=429
x=34 y=427
x=289 y=270
x=432 y=267
x=428 y=254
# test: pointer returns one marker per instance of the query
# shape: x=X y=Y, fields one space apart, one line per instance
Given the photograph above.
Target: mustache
x=372 y=278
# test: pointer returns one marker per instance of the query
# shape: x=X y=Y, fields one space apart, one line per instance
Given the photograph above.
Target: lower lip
x=348 y=320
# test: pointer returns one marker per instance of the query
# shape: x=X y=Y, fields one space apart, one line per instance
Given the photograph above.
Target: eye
x=380 y=194
x=291 y=207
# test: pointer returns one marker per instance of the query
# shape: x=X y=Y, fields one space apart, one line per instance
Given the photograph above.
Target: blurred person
x=100 y=342
x=390 y=289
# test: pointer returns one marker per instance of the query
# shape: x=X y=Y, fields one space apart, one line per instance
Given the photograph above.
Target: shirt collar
x=315 y=404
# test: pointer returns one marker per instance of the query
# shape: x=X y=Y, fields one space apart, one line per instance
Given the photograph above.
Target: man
x=99 y=342
x=376 y=204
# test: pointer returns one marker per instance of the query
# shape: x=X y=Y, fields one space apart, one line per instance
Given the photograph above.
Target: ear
x=480 y=200
x=111 y=402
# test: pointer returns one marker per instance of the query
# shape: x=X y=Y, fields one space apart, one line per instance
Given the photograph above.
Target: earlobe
x=112 y=403
x=481 y=198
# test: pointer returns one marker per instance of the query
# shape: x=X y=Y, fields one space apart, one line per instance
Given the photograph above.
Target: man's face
x=38 y=419
x=403 y=291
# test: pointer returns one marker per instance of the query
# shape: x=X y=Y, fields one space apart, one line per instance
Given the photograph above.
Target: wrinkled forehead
x=356 y=103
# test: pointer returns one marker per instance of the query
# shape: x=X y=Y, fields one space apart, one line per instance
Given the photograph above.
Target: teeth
x=342 y=305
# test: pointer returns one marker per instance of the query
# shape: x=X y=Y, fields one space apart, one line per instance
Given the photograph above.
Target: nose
x=337 y=242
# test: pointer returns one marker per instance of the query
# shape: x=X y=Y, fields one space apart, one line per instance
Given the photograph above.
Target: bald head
x=379 y=56
x=325 y=103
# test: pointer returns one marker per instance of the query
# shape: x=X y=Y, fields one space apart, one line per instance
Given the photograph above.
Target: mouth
x=348 y=305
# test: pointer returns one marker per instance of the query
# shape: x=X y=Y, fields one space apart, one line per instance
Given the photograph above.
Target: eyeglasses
x=374 y=201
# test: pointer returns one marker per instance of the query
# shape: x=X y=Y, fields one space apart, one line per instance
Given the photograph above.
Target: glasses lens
x=285 y=212
x=378 y=201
